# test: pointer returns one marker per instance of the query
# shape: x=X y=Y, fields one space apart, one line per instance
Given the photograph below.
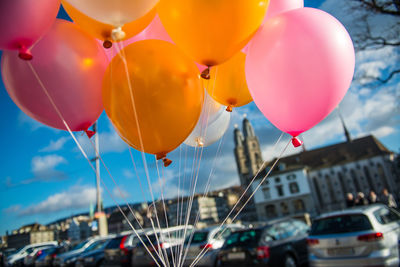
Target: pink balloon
x=299 y=67
x=71 y=65
x=23 y=22
x=279 y=6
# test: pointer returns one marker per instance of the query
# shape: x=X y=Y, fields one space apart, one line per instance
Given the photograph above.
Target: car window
x=287 y=229
x=385 y=216
x=248 y=238
x=198 y=237
x=80 y=245
x=222 y=234
x=274 y=232
x=114 y=243
x=341 y=224
x=301 y=227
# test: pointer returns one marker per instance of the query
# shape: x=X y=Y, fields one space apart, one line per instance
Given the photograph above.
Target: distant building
x=316 y=180
x=29 y=234
x=206 y=210
x=117 y=222
x=286 y=192
x=78 y=230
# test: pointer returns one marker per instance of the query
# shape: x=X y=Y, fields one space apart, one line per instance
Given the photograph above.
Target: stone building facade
x=323 y=176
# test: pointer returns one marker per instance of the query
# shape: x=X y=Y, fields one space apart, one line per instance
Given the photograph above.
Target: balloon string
x=162 y=183
x=184 y=216
x=264 y=165
x=183 y=186
x=119 y=190
x=203 y=133
x=82 y=151
x=123 y=58
x=206 y=191
x=137 y=175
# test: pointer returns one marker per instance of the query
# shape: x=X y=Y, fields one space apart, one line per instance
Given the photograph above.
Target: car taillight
x=262 y=252
x=312 y=242
x=40 y=252
x=370 y=237
x=206 y=246
x=122 y=245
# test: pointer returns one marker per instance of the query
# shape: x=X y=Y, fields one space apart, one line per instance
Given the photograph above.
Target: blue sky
x=44 y=176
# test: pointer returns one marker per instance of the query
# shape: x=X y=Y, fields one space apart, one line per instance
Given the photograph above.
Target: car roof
x=368 y=209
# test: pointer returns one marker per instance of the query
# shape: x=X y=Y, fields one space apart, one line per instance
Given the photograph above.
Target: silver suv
x=362 y=236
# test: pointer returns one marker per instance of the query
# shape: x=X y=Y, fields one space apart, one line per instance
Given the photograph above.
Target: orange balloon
x=103 y=31
x=165 y=87
x=227 y=84
x=211 y=31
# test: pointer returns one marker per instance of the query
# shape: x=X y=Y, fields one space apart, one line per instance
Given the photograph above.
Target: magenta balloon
x=71 y=65
x=299 y=67
x=23 y=22
x=279 y=6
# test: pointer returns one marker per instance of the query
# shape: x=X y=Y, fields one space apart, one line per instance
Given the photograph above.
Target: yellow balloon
x=104 y=31
x=165 y=87
x=211 y=31
x=227 y=84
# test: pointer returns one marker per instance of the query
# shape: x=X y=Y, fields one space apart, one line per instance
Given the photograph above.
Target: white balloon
x=212 y=125
x=114 y=12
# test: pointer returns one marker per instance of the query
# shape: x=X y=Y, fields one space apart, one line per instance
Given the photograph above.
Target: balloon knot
x=24 y=53
x=229 y=108
x=90 y=133
x=206 y=74
x=296 y=142
x=199 y=141
x=166 y=162
x=117 y=34
x=107 y=44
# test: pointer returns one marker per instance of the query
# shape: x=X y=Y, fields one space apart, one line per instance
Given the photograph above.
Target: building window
x=267 y=193
x=279 y=189
x=355 y=180
x=277 y=180
x=299 y=205
x=271 y=211
x=284 y=208
x=294 y=188
x=291 y=177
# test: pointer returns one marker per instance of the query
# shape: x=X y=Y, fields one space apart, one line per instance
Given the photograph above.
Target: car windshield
x=341 y=224
x=198 y=237
x=114 y=243
x=80 y=245
x=96 y=245
x=243 y=238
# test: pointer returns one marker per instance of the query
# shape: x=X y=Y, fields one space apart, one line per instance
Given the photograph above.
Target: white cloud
x=119 y=192
x=76 y=197
x=55 y=145
x=109 y=141
x=128 y=173
x=46 y=163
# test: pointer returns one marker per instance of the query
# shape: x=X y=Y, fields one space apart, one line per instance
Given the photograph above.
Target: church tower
x=247 y=152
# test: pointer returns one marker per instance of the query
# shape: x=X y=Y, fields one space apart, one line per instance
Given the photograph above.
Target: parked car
x=17 y=258
x=94 y=257
x=361 y=236
x=69 y=258
x=118 y=251
x=4 y=253
x=46 y=256
x=162 y=245
x=211 y=238
x=282 y=243
x=29 y=260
